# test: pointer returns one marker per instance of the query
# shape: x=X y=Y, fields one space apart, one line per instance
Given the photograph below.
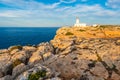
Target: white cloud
x=68 y=1
x=15 y=13
x=54 y=12
x=37 y=9
x=113 y=4
x=7 y=14
x=31 y=4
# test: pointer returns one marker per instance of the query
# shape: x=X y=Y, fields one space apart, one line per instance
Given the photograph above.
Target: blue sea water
x=25 y=35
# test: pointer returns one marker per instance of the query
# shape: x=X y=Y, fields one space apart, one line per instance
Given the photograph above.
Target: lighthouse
x=78 y=24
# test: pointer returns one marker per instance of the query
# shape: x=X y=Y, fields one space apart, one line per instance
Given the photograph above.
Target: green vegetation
x=15 y=47
x=16 y=62
x=69 y=33
x=108 y=26
x=81 y=30
x=36 y=76
x=103 y=26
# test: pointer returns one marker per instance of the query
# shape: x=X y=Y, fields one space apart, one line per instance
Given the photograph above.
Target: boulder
x=44 y=51
x=6 y=68
x=21 y=55
x=29 y=48
x=35 y=57
x=37 y=72
x=7 y=77
x=14 y=51
x=18 y=70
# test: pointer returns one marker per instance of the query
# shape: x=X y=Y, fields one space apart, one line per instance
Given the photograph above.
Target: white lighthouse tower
x=78 y=24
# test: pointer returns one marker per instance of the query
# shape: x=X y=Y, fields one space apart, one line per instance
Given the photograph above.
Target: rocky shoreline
x=69 y=56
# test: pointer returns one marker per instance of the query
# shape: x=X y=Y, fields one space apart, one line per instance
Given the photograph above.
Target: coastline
x=72 y=54
x=25 y=36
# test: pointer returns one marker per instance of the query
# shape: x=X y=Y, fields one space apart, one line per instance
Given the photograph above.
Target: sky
x=56 y=13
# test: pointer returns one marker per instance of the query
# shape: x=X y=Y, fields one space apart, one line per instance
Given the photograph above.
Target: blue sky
x=45 y=13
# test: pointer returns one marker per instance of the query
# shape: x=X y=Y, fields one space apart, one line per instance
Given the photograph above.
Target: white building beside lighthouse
x=78 y=24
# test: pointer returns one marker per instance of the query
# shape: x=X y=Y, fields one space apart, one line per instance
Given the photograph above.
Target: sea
x=10 y=36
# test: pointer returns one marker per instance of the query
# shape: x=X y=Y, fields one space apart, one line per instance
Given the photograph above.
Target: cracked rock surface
x=65 y=58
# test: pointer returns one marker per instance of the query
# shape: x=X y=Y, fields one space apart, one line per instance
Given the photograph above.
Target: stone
x=35 y=57
x=5 y=57
x=98 y=70
x=36 y=68
x=21 y=55
x=68 y=67
x=14 y=51
x=29 y=48
x=44 y=51
x=1 y=74
x=4 y=51
x=18 y=70
x=6 y=67
x=14 y=47
x=7 y=77
x=89 y=54
x=55 y=78
x=118 y=42
x=47 y=55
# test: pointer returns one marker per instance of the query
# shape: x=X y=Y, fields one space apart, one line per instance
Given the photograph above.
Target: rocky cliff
x=75 y=53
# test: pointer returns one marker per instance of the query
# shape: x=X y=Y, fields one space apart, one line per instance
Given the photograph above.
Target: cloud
x=113 y=3
x=37 y=13
x=67 y=1
x=89 y=11
x=35 y=9
x=15 y=13
x=31 y=4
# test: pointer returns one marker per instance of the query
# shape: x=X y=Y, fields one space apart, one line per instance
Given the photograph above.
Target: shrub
x=103 y=26
x=69 y=33
x=36 y=76
x=15 y=47
x=81 y=30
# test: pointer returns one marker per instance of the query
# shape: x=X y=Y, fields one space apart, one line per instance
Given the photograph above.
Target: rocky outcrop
x=43 y=52
x=89 y=59
x=38 y=72
x=71 y=55
x=18 y=59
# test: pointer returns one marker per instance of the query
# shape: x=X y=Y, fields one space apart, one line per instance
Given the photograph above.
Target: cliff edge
x=75 y=53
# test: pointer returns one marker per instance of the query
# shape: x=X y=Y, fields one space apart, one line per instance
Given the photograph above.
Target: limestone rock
x=90 y=53
x=18 y=70
x=21 y=55
x=35 y=57
x=44 y=51
x=118 y=42
x=14 y=51
x=4 y=51
x=1 y=74
x=6 y=67
x=43 y=71
x=29 y=48
x=8 y=77
x=55 y=78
